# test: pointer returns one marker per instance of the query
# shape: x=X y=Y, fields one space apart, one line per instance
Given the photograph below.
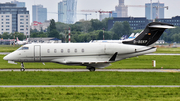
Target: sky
x=105 y=5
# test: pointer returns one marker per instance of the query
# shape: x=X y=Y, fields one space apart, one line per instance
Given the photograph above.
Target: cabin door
x=37 y=53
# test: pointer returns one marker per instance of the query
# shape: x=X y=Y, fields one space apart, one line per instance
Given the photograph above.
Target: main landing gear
x=91 y=69
x=22 y=67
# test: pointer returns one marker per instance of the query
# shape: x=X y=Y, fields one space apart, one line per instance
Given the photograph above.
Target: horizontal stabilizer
x=161 y=26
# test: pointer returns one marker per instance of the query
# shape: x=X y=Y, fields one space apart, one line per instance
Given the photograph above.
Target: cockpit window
x=23 y=48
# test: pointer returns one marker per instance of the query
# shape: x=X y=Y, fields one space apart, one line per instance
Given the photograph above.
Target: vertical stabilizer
x=150 y=35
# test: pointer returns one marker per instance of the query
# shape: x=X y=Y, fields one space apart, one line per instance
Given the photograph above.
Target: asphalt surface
x=102 y=70
x=48 y=86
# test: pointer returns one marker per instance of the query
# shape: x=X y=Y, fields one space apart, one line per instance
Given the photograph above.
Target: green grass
x=88 y=78
x=8 y=48
x=143 y=62
x=90 y=94
x=168 y=50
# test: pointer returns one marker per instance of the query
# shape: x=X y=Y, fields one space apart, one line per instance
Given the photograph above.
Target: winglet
x=113 y=58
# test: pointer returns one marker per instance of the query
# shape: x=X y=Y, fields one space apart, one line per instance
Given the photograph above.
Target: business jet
x=21 y=42
x=91 y=55
x=123 y=38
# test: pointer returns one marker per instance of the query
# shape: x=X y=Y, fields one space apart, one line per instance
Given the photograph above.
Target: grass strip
x=8 y=48
x=168 y=50
x=91 y=94
x=141 y=62
x=88 y=78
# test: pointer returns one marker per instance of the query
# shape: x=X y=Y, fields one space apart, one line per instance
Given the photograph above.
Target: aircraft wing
x=97 y=64
x=94 y=62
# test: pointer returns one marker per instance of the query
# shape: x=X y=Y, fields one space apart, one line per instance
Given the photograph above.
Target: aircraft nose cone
x=6 y=57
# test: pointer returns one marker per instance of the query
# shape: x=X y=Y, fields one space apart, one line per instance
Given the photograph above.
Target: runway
x=48 y=86
x=97 y=70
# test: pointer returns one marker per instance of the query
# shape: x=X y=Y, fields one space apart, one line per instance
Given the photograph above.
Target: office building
x=140 y=23
x=135 y=23
x=121 y=9
x=40 y=26
x=18 y=4
x=114 y=14
x=155 y=12
x=14 y=19
x=174 y=20
x=39 y=13
x=67 y=11
x=103 y=16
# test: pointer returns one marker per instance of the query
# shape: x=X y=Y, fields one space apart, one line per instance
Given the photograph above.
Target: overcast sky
x=106 y=5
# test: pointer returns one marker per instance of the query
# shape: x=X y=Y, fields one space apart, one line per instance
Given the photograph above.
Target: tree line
x=85 y=31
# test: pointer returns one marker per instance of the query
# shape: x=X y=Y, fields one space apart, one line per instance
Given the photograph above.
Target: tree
x=52 y=25
x=96 y=24
x=100 y=35
x=117 y=29
x=126 y=28
x=53 y=31
x=105 y=23
x=6 y=35
x=20 y=36
x=85 y=25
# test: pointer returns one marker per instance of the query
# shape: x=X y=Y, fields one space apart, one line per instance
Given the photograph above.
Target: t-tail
x=17 y=39
x=150 y=35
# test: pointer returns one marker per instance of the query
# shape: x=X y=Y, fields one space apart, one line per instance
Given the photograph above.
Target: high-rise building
x=39 y=13
x=121 y=9
x=14 y=19
x=67 y=11
x=19 y=4
x=155 y=12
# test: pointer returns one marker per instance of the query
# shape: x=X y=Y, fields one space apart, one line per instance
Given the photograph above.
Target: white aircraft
x=91 y=55
x=21 y=42
x=123 y=38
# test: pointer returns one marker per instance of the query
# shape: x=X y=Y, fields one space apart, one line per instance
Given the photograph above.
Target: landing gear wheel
x=22 y=67
x=92 y=69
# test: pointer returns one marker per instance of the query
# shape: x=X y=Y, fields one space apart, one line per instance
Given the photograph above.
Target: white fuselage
x=76 y=53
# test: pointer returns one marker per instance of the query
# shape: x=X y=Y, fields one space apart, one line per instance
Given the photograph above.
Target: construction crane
x=157 y=8
x=135 y=6
x=84 y=14
x=98 y=11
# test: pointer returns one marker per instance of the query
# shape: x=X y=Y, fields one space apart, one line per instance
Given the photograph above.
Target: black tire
x=22 y=69
x=92 y=69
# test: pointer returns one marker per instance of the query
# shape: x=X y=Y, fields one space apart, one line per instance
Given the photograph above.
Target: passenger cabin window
x=68 y=50
x=61 y=50
x=75 y=50
x=23 y=48
x=82 y=50
x=55 y=50
x=48 y=50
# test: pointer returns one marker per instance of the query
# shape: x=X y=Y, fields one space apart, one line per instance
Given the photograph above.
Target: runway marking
x=170 y=71
x=49 y=86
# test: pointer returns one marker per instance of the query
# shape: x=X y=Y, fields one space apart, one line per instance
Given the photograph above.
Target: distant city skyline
x=106 y=5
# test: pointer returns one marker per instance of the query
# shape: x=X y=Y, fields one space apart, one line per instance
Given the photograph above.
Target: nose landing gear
x=22 y=67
